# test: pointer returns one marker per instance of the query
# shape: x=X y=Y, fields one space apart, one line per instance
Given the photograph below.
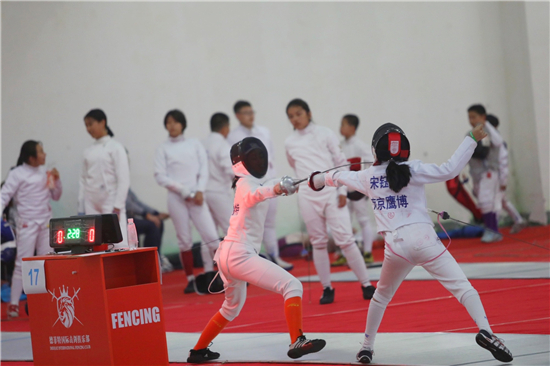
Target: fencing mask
x=253 y=154
x=389 y=142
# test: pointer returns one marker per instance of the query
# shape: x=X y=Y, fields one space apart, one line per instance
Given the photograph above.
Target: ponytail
x=109 y=132
x=398 y=175
x=28 y=149
x=235 y=180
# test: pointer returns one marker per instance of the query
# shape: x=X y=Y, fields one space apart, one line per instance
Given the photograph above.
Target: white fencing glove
x=316 y=181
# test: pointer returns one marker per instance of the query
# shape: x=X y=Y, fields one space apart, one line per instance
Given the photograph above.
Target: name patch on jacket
x=390 y=202
x=235 y=210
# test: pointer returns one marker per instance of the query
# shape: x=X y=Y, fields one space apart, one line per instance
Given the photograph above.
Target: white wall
x=419 y=65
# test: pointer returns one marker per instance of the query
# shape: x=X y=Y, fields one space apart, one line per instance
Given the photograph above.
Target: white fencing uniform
x=181 y=166
x=219 y=195
x=263 y=134
x=355 y=148
x=237 y=257
x=317 y=148
x=503 y=173
x=104 y=181
x=403 y=220
x=484 y=173
x=28 y=186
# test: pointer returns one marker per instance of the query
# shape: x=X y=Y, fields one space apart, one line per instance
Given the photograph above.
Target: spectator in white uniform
x=247 y=128
x=181 y=166
x=503 y=173
x=356 y=151
x=105 y=177
x=31 y=187
x=219 y=195
x=316 y=147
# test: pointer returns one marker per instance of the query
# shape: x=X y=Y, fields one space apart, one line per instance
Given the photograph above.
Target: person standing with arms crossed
x=247 y=128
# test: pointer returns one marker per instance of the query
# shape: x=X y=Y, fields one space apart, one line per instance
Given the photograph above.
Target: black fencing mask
x=389 y=142
x=253 y=154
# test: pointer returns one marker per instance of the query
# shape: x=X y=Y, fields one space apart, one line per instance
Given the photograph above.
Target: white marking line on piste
x=497 y=324
x=390 y=305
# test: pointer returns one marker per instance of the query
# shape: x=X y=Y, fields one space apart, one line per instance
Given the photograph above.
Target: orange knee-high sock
x=212 y=329
x=293 y=314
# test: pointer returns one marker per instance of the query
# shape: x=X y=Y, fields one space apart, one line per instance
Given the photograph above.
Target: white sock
x=374 y=318
x=207 y=261
x=473 y=305
x=16 y=290
x=322 y=265
x=190 y=278
x=356 y=263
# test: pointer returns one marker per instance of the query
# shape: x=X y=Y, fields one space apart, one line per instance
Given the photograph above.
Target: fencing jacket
x=181 y=165
x=491 y=162
x=261 y=133
x=355 y=148
x=314 y=148
x=28 y=186
x=503 y=170
x=219 y=163
x=393 y=210
x=246 y=225
x=105 y=170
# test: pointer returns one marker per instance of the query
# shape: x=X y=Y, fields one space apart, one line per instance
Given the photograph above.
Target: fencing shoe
x=202 y=355
x=13 y=311
x=340 y=261
x=328 y=296
x=190 y=287
x=368 y=292
x=368 y=258
x=494 y=345
x=517 y=227
x=303 y=346
x=281 y=263
x=365 y=355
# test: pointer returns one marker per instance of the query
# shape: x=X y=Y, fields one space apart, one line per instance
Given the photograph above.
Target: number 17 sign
x=34 y=277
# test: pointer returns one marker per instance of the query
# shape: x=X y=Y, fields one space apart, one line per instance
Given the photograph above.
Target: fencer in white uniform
x=503 y=174
x=31 y=188
x=181 y=166
x=105 y=177
x=219 y=195
x=238 y=259
x=356 y=151
x=247 y=128
x=316 y=147
x=396 y=189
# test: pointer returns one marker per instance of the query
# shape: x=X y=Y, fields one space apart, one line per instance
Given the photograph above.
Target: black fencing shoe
x=494 y=345
x=303 y=346
x=202 y=355
x=328 y=296
x=365 y=355
x=190 y=287
x=368 y=292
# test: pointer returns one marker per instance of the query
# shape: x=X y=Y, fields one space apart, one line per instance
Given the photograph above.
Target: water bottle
x=132 y=235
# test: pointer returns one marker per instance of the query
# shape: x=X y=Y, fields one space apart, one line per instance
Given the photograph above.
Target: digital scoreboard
x=79 y=233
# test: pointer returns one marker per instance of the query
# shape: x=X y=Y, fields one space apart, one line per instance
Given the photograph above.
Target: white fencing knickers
x=238 y=264
x=486 y=192
x=321 y=211
x=30 y=236
x=221 y=207
x=368 y=231
x=103 y=203
x=183 y=213
x=412 y=245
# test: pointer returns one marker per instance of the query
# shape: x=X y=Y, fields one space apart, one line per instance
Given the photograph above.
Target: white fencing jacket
x=181 y=165
x=314 y=148
x=261 y=133
x=393 y=210
x=246 y=225
x=28 y=186
x=219 y=163
x=355 y=148
x=105 y=169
